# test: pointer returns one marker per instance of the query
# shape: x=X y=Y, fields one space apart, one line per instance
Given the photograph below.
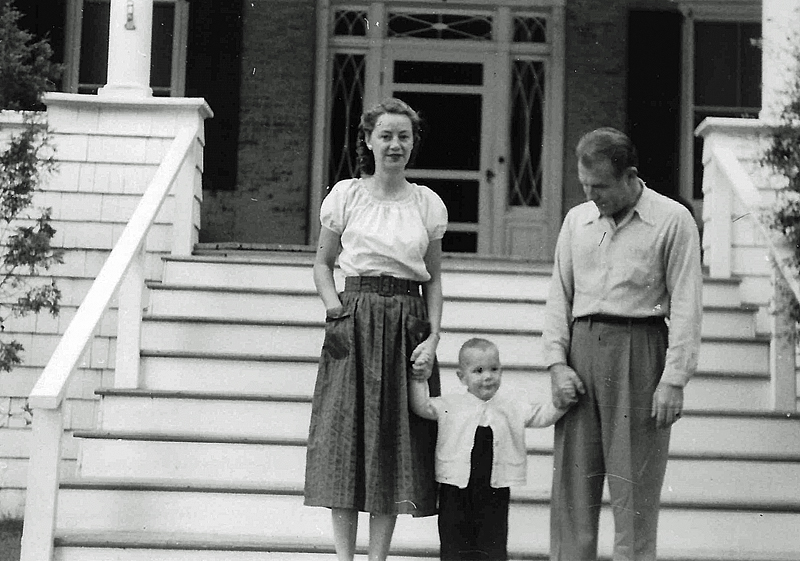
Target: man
x=626 y=260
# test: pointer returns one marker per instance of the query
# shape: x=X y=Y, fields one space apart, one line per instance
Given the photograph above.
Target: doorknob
x=490 y=175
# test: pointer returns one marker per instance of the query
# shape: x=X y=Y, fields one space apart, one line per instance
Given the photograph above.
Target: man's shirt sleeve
x=685 y=286
x=558 y=311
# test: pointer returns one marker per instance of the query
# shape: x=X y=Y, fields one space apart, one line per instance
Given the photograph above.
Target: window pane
x=161 y=60
x=426 y=72
x=347 y=94
x=460 y=242
x=751 y=65
x=94 y=46
x=451 y=129
x=460 y=196
x=527 y=133
x=716 y=64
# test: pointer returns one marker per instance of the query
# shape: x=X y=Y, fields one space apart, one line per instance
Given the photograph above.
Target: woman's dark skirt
x=366 y=450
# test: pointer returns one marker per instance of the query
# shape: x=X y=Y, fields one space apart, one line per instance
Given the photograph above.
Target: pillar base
x=125 y=91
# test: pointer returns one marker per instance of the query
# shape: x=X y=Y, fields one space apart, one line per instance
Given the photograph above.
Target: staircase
x=205 y=461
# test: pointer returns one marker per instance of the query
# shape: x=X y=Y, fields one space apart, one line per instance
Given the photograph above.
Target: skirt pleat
x=366 y=450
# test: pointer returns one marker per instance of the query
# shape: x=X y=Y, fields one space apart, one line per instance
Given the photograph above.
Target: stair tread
x=518 y=496
x=205 y=542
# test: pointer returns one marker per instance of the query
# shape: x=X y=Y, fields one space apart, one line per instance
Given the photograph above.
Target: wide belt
x=621 y=320
x=384 y=285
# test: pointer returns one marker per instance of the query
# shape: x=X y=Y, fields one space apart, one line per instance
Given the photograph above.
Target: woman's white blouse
x=383 y=237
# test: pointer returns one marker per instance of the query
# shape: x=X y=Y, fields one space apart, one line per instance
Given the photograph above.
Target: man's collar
x=643 y=207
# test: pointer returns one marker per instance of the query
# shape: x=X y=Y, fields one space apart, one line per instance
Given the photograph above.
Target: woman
x=366 y=452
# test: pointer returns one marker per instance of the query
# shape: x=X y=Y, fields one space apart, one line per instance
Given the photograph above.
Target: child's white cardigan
x=459 y=415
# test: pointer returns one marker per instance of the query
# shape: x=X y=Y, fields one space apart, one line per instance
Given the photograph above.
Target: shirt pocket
x=637 y=266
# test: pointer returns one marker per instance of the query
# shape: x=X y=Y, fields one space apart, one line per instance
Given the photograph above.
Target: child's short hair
x=478 y=343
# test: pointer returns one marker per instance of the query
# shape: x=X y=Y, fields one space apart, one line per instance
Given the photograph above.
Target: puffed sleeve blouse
x=383 y=237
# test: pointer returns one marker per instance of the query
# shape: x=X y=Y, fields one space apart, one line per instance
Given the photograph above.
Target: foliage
x=25 y=66
x=26 y=158
x=782 y=158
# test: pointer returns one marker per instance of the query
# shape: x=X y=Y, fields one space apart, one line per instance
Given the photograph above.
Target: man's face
x=609 y=193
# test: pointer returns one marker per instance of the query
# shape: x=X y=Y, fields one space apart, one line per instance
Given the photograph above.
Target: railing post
x=782 y=347
x=41 y=498
x=720 y=201
x=184 y=194
x=129 y=323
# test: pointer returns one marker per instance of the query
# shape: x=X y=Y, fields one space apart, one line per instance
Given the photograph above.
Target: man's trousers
x=610 y=434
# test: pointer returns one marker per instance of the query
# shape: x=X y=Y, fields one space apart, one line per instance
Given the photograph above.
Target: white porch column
x=780 y=28
x=129 y=45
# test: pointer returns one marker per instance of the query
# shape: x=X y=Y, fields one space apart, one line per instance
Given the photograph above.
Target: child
x=480 y=452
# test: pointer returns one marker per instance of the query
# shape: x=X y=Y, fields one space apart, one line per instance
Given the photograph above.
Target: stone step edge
x=195 y=542
x=158 y=285
x=758 y=339
x=289 y=489
x=793 y=416
x=177 y=437
x=150 y=353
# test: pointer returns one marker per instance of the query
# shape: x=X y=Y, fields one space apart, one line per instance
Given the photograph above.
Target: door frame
x=447 y=53
x=505 y=50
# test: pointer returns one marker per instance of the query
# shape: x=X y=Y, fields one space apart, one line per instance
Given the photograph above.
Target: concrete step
x=739 y=534
x=507 y=311
x=140 y=546
x=700 y=478
x=460 y=277
x=739 y=434
x=264 y=374
x=304 y=339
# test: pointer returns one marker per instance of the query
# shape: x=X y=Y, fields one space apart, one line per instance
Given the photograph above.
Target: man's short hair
x=478 y=343
x=610 y=144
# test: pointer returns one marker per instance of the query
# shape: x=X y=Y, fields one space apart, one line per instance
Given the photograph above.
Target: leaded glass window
x=350 y=23
x=440 y=26
x=347 y=94
x=530 y=29
x=527 y=133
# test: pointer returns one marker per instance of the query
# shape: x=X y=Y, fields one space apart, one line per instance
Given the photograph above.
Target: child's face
x=481 y=372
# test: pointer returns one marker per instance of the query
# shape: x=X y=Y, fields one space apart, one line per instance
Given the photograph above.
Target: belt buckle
x=385 y=285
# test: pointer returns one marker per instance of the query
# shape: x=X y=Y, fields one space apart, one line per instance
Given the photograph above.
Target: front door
x=487 y=79
x=451 y=92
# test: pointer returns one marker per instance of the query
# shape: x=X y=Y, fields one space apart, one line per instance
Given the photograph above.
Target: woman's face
x=391 y=142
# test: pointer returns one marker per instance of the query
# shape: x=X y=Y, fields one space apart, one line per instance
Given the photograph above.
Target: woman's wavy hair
x=365 y=159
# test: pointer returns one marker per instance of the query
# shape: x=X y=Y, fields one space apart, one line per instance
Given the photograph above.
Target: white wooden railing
x=123 y=270
x=726 y=185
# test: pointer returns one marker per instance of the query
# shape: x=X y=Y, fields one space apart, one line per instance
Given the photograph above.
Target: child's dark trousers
x=473 y=522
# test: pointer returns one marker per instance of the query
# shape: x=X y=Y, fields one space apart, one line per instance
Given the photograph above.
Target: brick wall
x=271 y=199
x=596 y=68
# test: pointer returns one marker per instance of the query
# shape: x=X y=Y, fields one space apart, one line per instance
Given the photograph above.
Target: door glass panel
x=460 y=196
x=347 y=94
x=527 y=133
x=428 y=72
x=451 y=129
x=460 y=242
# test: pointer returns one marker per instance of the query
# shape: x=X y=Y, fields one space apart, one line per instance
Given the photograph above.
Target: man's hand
x=667 y=405
x=565 y=385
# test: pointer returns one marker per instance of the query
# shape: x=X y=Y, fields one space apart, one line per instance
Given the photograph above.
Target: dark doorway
x=213 y=71
x=654 y=100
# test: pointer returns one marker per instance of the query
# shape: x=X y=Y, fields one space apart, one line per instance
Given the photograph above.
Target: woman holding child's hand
x=366 y=452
